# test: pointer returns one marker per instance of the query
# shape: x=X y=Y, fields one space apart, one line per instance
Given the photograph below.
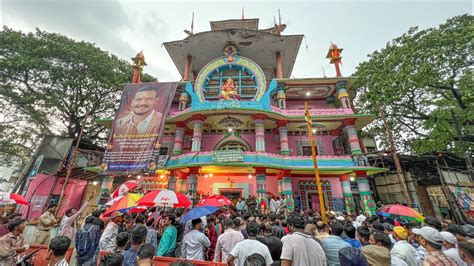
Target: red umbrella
x=216 y=201
x=124 y=188
x=165 y=198
x=9 y=198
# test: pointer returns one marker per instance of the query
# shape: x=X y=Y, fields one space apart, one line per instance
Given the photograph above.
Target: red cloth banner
x=37 y=195
x=138 y=127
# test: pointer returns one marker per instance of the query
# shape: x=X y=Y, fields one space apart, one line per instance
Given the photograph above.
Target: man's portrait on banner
x=142 y=118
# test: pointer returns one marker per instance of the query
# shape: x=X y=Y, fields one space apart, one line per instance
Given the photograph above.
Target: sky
x=126 y=27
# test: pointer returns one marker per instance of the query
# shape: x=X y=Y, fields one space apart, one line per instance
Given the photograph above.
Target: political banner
x=138 y=127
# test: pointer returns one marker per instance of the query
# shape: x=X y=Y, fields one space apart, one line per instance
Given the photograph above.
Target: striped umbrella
x=125 y=204
x=401 y=212
x=124 y=188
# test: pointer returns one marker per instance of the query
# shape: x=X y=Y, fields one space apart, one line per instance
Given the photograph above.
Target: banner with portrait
x=137 y=130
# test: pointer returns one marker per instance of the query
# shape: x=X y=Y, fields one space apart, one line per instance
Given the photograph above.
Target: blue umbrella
x=198 y=212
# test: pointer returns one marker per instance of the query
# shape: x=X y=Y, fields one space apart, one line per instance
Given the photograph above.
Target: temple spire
x=138 y=64
x=190 y=32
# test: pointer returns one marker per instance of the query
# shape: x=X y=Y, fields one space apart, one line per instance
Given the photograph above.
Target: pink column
x=347 y=193
x=283 y=132
x=197 y=132
x=367 y=203
x=259 y=132
x=349 y=127
x=179 y=138
x=342 y=94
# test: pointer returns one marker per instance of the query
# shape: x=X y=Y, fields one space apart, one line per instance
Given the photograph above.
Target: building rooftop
x=257 y=45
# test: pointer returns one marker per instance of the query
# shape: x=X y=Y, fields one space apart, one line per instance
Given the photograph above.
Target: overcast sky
x=125 y=27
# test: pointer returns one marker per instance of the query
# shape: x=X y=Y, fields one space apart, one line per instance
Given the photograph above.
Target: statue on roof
x=229 y=90
x=277 y=29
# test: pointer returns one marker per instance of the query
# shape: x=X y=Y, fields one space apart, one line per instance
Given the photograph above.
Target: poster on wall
x=138 y=127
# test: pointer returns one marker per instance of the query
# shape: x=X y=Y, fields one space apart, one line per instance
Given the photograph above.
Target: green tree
x=424 y=82
x=48 y=82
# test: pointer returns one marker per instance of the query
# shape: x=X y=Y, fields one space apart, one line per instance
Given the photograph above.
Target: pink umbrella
x=8 y=198
x=124 y=188
x=216 y=201
x=165 y=198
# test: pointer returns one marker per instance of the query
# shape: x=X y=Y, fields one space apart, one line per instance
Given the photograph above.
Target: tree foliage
x=423 y=81
x=48 y=84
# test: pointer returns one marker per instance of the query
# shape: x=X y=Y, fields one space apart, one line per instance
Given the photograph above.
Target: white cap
x=430 y=234
x=448 y=237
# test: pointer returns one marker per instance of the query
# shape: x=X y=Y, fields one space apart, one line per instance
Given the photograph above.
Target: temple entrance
x=232 y=193
x=313 y=201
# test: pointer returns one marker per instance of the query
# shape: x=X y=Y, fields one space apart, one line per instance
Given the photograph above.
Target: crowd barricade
x=163 y=261
x=41 y=257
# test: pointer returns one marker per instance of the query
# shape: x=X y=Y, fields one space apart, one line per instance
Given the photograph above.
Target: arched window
x=247 y=86
x=233 y=145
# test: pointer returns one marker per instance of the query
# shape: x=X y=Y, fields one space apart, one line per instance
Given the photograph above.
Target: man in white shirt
x=449 y=243
x=108 y=240
x=273 y=205
x=194 y=242
x=402 y=250
x=227 y=241
x=300 y=248
x=249 y=247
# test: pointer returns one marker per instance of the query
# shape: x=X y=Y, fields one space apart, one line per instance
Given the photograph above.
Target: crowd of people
x=244 y=235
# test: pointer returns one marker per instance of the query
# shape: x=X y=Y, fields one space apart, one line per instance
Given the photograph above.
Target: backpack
x=83 y=241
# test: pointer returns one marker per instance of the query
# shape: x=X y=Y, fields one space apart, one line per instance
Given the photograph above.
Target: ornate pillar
x=368 y=205
x=192 y=180
x=287 y=188
x=349 y=127
x=182 y=185
x=347 y=193
x=172 y=183
x=187 y=68
x=279 y=68
x=280 y=191
x=259 y=120
x=105 y=186
x=261 y=178
x=179 y=138
x=281 y=98
x=283 y=132
x=342 y=95
x=183 y=100
x=197 y=132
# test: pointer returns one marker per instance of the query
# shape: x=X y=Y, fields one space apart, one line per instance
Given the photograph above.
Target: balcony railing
x=263 y=159
x=300 y=112
x=287 y=112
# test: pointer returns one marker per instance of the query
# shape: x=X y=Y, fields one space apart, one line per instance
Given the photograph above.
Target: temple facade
x=237 y=125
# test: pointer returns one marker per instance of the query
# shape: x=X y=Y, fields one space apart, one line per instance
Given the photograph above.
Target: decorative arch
x=230 y=140
x=244 y=66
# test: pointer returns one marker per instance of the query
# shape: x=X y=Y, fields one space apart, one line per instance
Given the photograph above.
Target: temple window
x=243 y=77
x=232 y=145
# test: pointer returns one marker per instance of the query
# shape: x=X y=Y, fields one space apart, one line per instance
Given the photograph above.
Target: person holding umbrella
x=168 y=239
